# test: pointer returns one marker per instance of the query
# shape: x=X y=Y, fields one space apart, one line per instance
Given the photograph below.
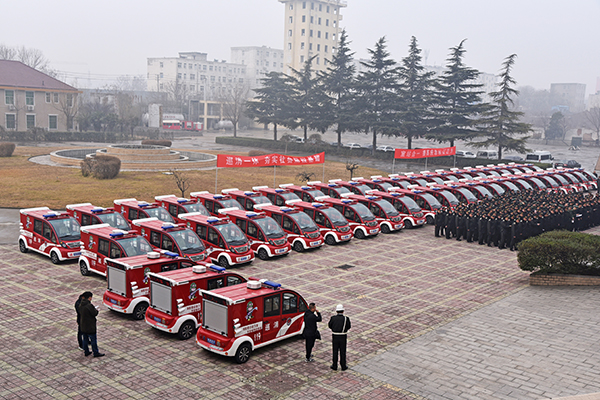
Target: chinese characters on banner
x=425 y=153
x=269 y=160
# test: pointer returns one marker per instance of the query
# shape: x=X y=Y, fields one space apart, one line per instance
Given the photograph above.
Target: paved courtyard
x=431 y=318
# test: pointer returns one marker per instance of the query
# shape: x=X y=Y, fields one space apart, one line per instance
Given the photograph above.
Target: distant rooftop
x=18 y=75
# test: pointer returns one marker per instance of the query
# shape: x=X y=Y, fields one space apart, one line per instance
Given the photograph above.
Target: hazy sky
x=555 y=41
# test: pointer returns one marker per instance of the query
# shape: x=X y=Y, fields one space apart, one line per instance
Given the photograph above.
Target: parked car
x=489 y=154
x=352 y=146
x=465 y=154
x=386 y=148
x=512 y=158
x=567 y=164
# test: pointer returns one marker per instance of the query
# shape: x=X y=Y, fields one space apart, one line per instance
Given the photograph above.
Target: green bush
x=561 y=252
x=165 y=143
x=101 y=167
x=7 y=149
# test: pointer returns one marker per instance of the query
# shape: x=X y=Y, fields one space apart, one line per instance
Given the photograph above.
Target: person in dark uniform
x=461 y=230
x=451 y=224
x=440 y=221
x=339 y=325
x=88 y=325
x=79 y=333
x=311 y=333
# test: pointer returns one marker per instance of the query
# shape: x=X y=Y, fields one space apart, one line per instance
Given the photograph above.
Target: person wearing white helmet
x=339 y=325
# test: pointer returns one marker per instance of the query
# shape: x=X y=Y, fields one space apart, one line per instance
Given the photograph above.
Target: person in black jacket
x=87 y=324
x=311 y=333
x=339 y=325
x=79 y=333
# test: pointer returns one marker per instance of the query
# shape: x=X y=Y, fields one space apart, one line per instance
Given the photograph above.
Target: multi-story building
x=32 y=99
x=311 y=29
x=571 y=95
x=259 y=61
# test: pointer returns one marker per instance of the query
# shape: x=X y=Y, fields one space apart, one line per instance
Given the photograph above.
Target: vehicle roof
x=267 y=189
x=155 y=223
x=244 y=213
x=133 y=203
x=307 y=204
x=276 y=209
x=171 y=198
x=344 y=201
x=105 y=230
x=144 y=260
x=88 y=207
x=210 y=196
x=242 y=292
x=203 y=219
x=39 y=211
x=238 y=192
x=179 y=276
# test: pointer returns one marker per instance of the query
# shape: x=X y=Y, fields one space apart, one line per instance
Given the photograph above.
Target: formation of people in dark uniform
x=505 y=220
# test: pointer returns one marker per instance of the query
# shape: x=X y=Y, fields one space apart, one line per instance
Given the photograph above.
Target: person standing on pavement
x=311 y=333
x=79 y=333
x=339 y=325
x=88 y=314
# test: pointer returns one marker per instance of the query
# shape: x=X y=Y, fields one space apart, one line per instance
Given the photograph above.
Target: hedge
x=7 y=149
x=53 y=136
x=152 y=142
x=561 y=252
x=101 y=167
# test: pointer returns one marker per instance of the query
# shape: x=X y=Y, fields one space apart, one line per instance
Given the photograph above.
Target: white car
x=465 y=154
x=353 y=145
x=385 y=148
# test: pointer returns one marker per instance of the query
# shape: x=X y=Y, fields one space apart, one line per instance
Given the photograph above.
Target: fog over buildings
x=93 y=43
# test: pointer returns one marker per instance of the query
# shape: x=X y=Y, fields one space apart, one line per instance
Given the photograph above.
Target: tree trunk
x=305 y=133
x=452 y=143
x=339 y=141
x=374 y=142
x=275 y=132
x=499 y=152
x=409 y=138
x=234 y=130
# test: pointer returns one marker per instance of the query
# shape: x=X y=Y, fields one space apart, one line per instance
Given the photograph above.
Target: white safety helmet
x=339 y=308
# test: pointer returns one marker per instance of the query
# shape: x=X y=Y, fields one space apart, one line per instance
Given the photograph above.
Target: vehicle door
x=291 y=309
x=272 y=318
x=215 y=240
x=289 y=225
x=38 y=230
x=48 y=237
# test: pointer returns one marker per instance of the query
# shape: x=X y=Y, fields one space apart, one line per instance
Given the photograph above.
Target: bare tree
x=33 y=58
x=69 y=106
x=177 y=94
x=592 y=117
x=234 y=99
x=351 y=166
x=305 y=176
x=181 y=180
x=7 y=53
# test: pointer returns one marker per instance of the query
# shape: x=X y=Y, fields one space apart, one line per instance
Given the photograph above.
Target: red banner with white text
x=269 y=160
x=425 y=153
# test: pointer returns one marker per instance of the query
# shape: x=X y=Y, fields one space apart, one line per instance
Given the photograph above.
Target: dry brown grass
x=25 y=184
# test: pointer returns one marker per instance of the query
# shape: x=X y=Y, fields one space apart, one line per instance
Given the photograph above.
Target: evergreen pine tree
x=307 y=97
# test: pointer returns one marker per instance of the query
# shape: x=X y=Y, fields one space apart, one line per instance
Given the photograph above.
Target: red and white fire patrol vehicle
x=385 y=213
x=304 y=193
x=171 y=237
x=226 y=243
x=277 y=196
x=177 y=125
x=442 y=194
x=176 y=297
x=100 y=242
x=377 y=182
x=132 y=209
x=214 y=202
x=129 y=284
x=361 y=220
x=53 y=234
x=428 y=203
x=303 y=233
x=242 y=318
x=87 y=214
x=355 y=186
x=332 y=224
x=266 y=237
x=463 y=194
x=247 y=199
x=332 y=190
x=411 y=213
x=179 y=205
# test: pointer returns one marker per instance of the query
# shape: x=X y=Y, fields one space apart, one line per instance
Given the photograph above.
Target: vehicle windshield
x=160 y=213
x=582 y=176
x=363 y=188
x=66 y=228
x=438 y=180
x=468 y=194
x=422 y=182
x=450 y=197
x=232 y=234
x=467 y=176
x=483 y=191
x=539 y=183
x=561 y=179
x=342 y=190
x=386 y=186
x=270 y=228
x=482 y=175
x=315 y=193
x=336 y=217
x=135 y=246
x=115 y=220
x=412 y=206
x=525 y=169
x=305 y=223
x=260 y=200
x=493 y=173
x=531 y=157
x=505 y=171
x=452 y=178
x=289 y=196
x=433 y=202
x=497 y=188
x=511 y=186
x=196 y=207
x=187 y=241
x=230 y=203
x=387 y=208
x=363 y=212
x=551 y=181
x=403 y=184
x=525 y=184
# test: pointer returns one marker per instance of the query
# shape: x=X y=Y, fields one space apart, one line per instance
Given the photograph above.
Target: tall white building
x=311 y=29
x=258 y=61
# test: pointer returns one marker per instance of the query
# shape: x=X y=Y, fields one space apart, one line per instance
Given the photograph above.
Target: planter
x=539 y=279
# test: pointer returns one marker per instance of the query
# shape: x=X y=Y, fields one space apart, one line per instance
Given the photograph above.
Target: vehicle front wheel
x=139 y=312
x=23 y=247
x=85 y=271
x=262 y=254
x=359 y=234
x=243 y=353
x=54 y=258
x=187 y=330
x=329 y=240
x=385 y=228
x=298 y=247
x=429 y=220
x=223 y=262
x=408 y=224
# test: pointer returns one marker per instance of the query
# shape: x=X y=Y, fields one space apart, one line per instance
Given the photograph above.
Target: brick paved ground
x=402 y=286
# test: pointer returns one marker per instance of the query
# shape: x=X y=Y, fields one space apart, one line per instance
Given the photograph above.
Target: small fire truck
x=132 y=209
x=303 y=233
x=361 y=220
x=87 y=214
x=226 y=243
x=53 y=234
x=214 y=202
x=355 y=186
x=332 y=224
x=277 y=196
x=329 y=189
x=242 y=318
x=129 y=284
x=176 y=297
x=175 y=238
x=179 y=205
x=377 y=182
x=100 y=242
x=428 y=203
x=412 y=215
x=247 y=199
x=385 y=213
x=305 y=193
x=267 y=239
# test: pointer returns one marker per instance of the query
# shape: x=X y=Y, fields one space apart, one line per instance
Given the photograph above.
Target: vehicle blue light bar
x=217 y=268
x=249 y=193
x=50 y=215
x=346 y=201
x=251 y=214
x=171 y=254
x=212 y=220
x=218 y=196
x=331 y=185
x=306 y=188
x=97 y=210
x=272 y=285
x=182 y=200
x=116 y=234
x=279 y=190
x=168 y=226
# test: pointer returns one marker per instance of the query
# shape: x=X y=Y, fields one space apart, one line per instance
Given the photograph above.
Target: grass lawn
x=25 y=184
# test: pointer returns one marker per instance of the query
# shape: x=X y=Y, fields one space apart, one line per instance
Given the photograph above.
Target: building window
x=319 y=21
x=312 y=5
x=192 y=88
x=318 y=47
x=69 y=100
x=161 y=86
x=178 y=65
x=52 y=122
x=212 y=78
x=289 y=46
x=304 y=18
x=290 y=32
x=320 y=7
x=291 y=6
x=179 y=75
x=328 y=9
x=29 y=99
x=30 y=121
x=302 y=59
x=266 y=63
x=241 y=80
x=204 y=67
x=303 y=4
x=48 y=98
x=326 y=35
x=311 y=33
x=161 y=64
x=303 y=32
x=326 y=22
x=11 y=121
x=325 y=61
x=184 y=76
x=192 y=76
x=291 y=20
x=325 y=48
x=312 y=20
x=310 y=46
x=302 y=46
x=162 y=75
x=210 y=68
x=9 y=97
x=318 y=60
x=55 y=97
x=318 y=34
x=334 y=23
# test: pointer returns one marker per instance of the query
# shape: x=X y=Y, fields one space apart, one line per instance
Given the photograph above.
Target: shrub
x=7 y=149
x=101 y=167
x=165 y=143
x=255 y=153
x=561 y=252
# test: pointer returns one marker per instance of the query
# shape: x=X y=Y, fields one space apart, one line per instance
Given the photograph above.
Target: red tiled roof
x=17 y=74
